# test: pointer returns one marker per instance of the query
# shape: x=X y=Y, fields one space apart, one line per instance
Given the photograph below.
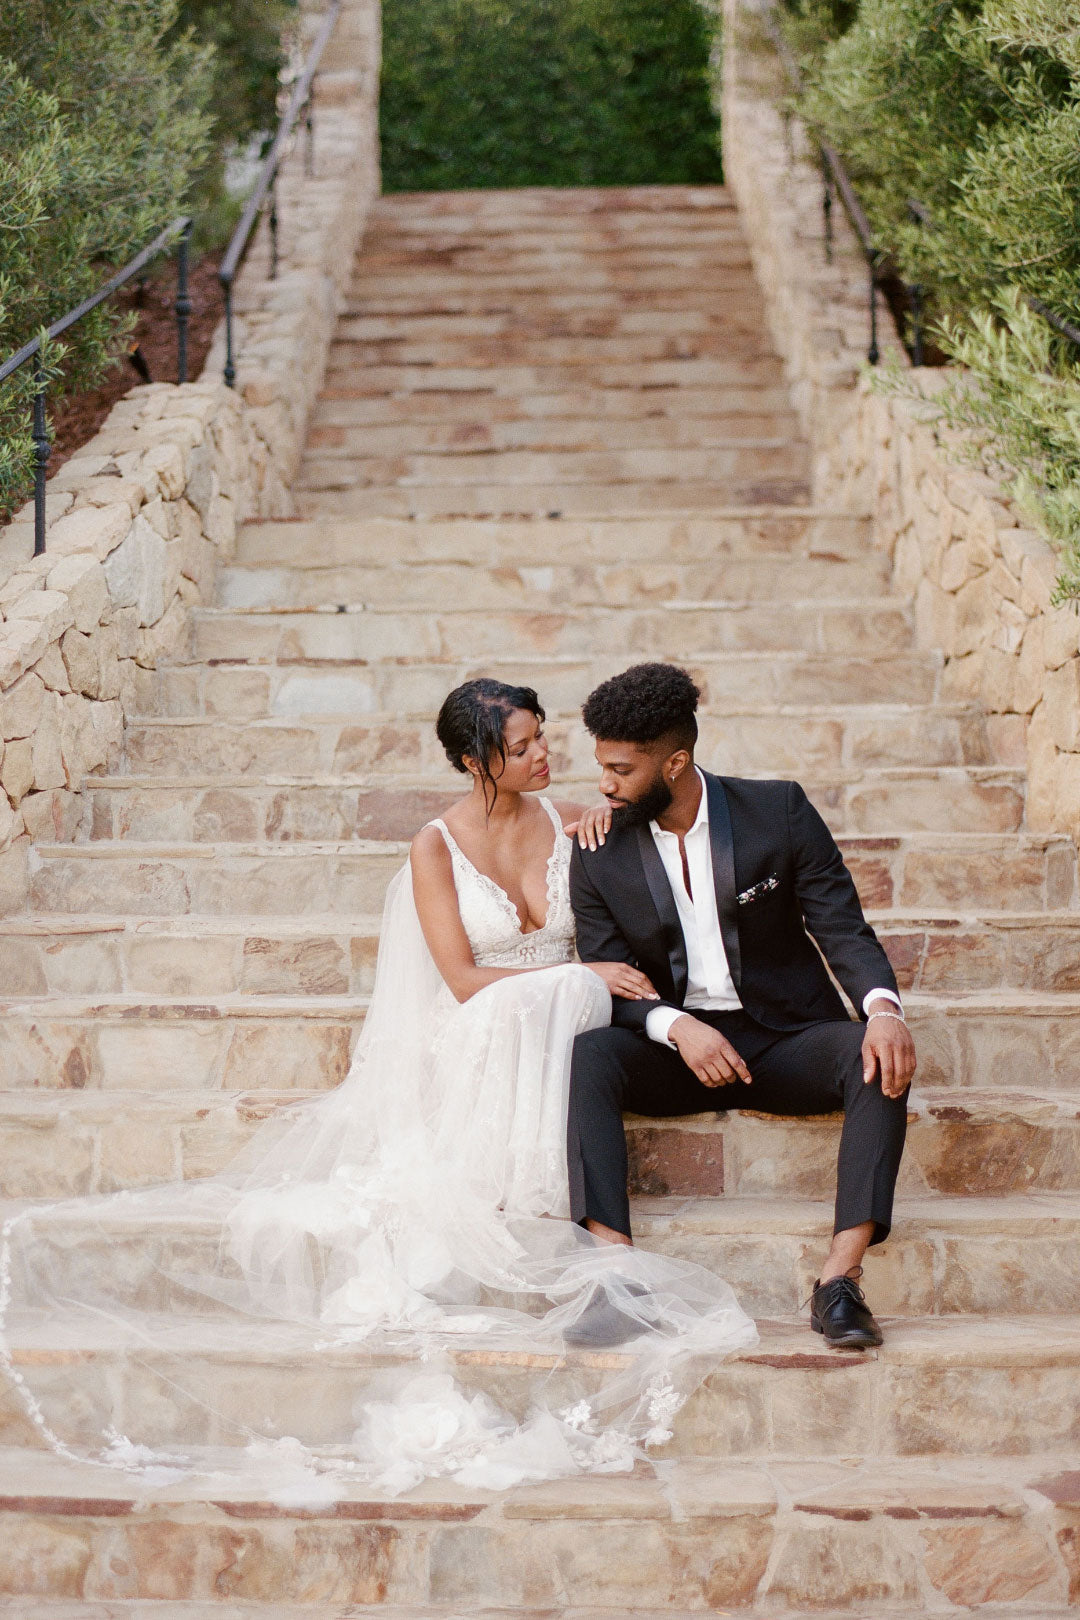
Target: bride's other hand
x=592 y=827
x=624 y=980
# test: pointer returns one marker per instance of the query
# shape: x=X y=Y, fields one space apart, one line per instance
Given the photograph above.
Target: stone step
x=134 y=1609
x=666 y=402
x=321 y=494
x=551 y=224
x=1010 y=1383
x=982 y=798
x=528 y=321
x=708 y=266
x=874 y=627
x=767 y=740
x=412 y=584
x=763 y=460
x=58 y=1143
x=741 y=337
x=214 y=952
x=495 y=210
x=254 y=1039
x=967 y=1257
x=311 y=687
x=335 y=429
x=450 y=248
x=541 y=587
x=516 y=380
x=746 y=533
x=696 y=1534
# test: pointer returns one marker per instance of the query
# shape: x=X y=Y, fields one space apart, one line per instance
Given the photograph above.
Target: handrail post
x=42 y=452
x=916 y=324
x=827 y=208
x=273 y=231
x=873 y=353
x=309 y=147
x=183 y=304
x=230 y=356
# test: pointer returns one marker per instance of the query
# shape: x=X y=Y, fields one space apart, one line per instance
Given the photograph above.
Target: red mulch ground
x=77 y=419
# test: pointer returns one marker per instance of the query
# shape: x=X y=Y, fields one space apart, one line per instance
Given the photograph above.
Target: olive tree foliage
x=972 y=108
x=102 y=122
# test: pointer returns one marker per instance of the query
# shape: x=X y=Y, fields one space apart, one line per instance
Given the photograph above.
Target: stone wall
x=981 y=580
x=139 y=519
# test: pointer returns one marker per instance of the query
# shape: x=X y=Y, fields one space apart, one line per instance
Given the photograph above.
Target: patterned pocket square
x=748 y=896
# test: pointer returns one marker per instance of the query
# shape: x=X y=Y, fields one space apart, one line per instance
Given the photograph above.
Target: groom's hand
x=703 y=1049
x=888 y=1050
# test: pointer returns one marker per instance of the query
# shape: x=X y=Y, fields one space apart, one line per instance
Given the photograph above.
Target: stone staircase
x=553 y=439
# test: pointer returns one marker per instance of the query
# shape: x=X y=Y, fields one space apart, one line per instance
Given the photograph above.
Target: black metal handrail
x=301 y=105
x=836 y=178
x=180 y=228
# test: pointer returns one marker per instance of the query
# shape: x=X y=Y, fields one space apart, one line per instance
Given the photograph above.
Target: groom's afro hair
x=645 y=704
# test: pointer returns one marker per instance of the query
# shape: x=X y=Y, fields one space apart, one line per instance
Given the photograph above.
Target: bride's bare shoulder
x=428 y=851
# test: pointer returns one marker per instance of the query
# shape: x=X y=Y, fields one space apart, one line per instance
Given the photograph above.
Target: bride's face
x=526 y=768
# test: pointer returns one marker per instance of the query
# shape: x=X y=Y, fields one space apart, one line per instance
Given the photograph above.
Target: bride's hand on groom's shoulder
x=624 y=980
x=591 y=827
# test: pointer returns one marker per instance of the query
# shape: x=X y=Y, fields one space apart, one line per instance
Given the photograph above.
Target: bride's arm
x=440 y=918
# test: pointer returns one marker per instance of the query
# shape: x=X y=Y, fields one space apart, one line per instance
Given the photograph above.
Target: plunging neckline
x=497 y=889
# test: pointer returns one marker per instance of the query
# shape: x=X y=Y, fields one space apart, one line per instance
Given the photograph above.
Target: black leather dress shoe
x=840 y=1312
x=602 y=1324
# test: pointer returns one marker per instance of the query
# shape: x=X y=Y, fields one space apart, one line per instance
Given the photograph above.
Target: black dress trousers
x=817 y=1070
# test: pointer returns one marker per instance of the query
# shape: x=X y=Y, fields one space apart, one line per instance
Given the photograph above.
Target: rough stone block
x=166 y=462
x=22 y=642
x=20 y=706
x=17 y=773
x=136 y=572
x=82 y=579
x=91 y=662
x=94 y=529
x=47 y=756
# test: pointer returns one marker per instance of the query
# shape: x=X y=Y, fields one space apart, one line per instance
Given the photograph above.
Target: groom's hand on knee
x=704 y=1050
x=889 y=1051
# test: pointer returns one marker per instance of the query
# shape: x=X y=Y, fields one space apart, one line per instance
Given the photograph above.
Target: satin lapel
x=666 y=909
x=723 y=864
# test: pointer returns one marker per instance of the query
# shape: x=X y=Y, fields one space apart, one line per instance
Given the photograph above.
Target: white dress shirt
x=709 y=984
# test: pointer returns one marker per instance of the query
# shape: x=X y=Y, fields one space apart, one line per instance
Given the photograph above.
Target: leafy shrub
x=115 y=117
x=546 y=92
x=101 y=124
x=250 y=43
x=972 y=107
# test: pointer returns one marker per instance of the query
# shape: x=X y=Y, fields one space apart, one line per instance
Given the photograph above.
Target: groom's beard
x=653 y=802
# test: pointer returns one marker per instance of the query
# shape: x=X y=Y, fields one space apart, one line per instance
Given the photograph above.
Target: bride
x=417 y=1216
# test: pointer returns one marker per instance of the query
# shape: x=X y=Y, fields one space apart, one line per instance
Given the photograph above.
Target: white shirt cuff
x=877 y=995
x=659 y=1021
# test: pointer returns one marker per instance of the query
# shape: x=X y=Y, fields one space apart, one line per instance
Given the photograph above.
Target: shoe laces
x=847 y=1283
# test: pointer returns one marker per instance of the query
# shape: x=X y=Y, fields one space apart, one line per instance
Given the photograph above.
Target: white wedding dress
x=414 y=1219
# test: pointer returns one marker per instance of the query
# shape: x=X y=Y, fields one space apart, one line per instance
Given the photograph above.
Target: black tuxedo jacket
x=768 y=839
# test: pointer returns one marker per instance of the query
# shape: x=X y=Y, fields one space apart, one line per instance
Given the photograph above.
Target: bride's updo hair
x=472 y=721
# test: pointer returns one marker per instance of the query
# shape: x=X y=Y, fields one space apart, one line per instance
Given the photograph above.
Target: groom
x=713 y=886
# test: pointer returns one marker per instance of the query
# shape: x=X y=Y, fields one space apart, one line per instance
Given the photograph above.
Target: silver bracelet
x=900 y=1019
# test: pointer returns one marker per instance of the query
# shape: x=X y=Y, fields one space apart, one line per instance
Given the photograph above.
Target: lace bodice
x=490 y=917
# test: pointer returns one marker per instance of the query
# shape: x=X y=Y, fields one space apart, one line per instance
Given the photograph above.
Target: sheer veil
x=352 y=1260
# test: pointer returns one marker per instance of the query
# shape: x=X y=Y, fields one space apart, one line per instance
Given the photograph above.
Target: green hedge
x=497 y=93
